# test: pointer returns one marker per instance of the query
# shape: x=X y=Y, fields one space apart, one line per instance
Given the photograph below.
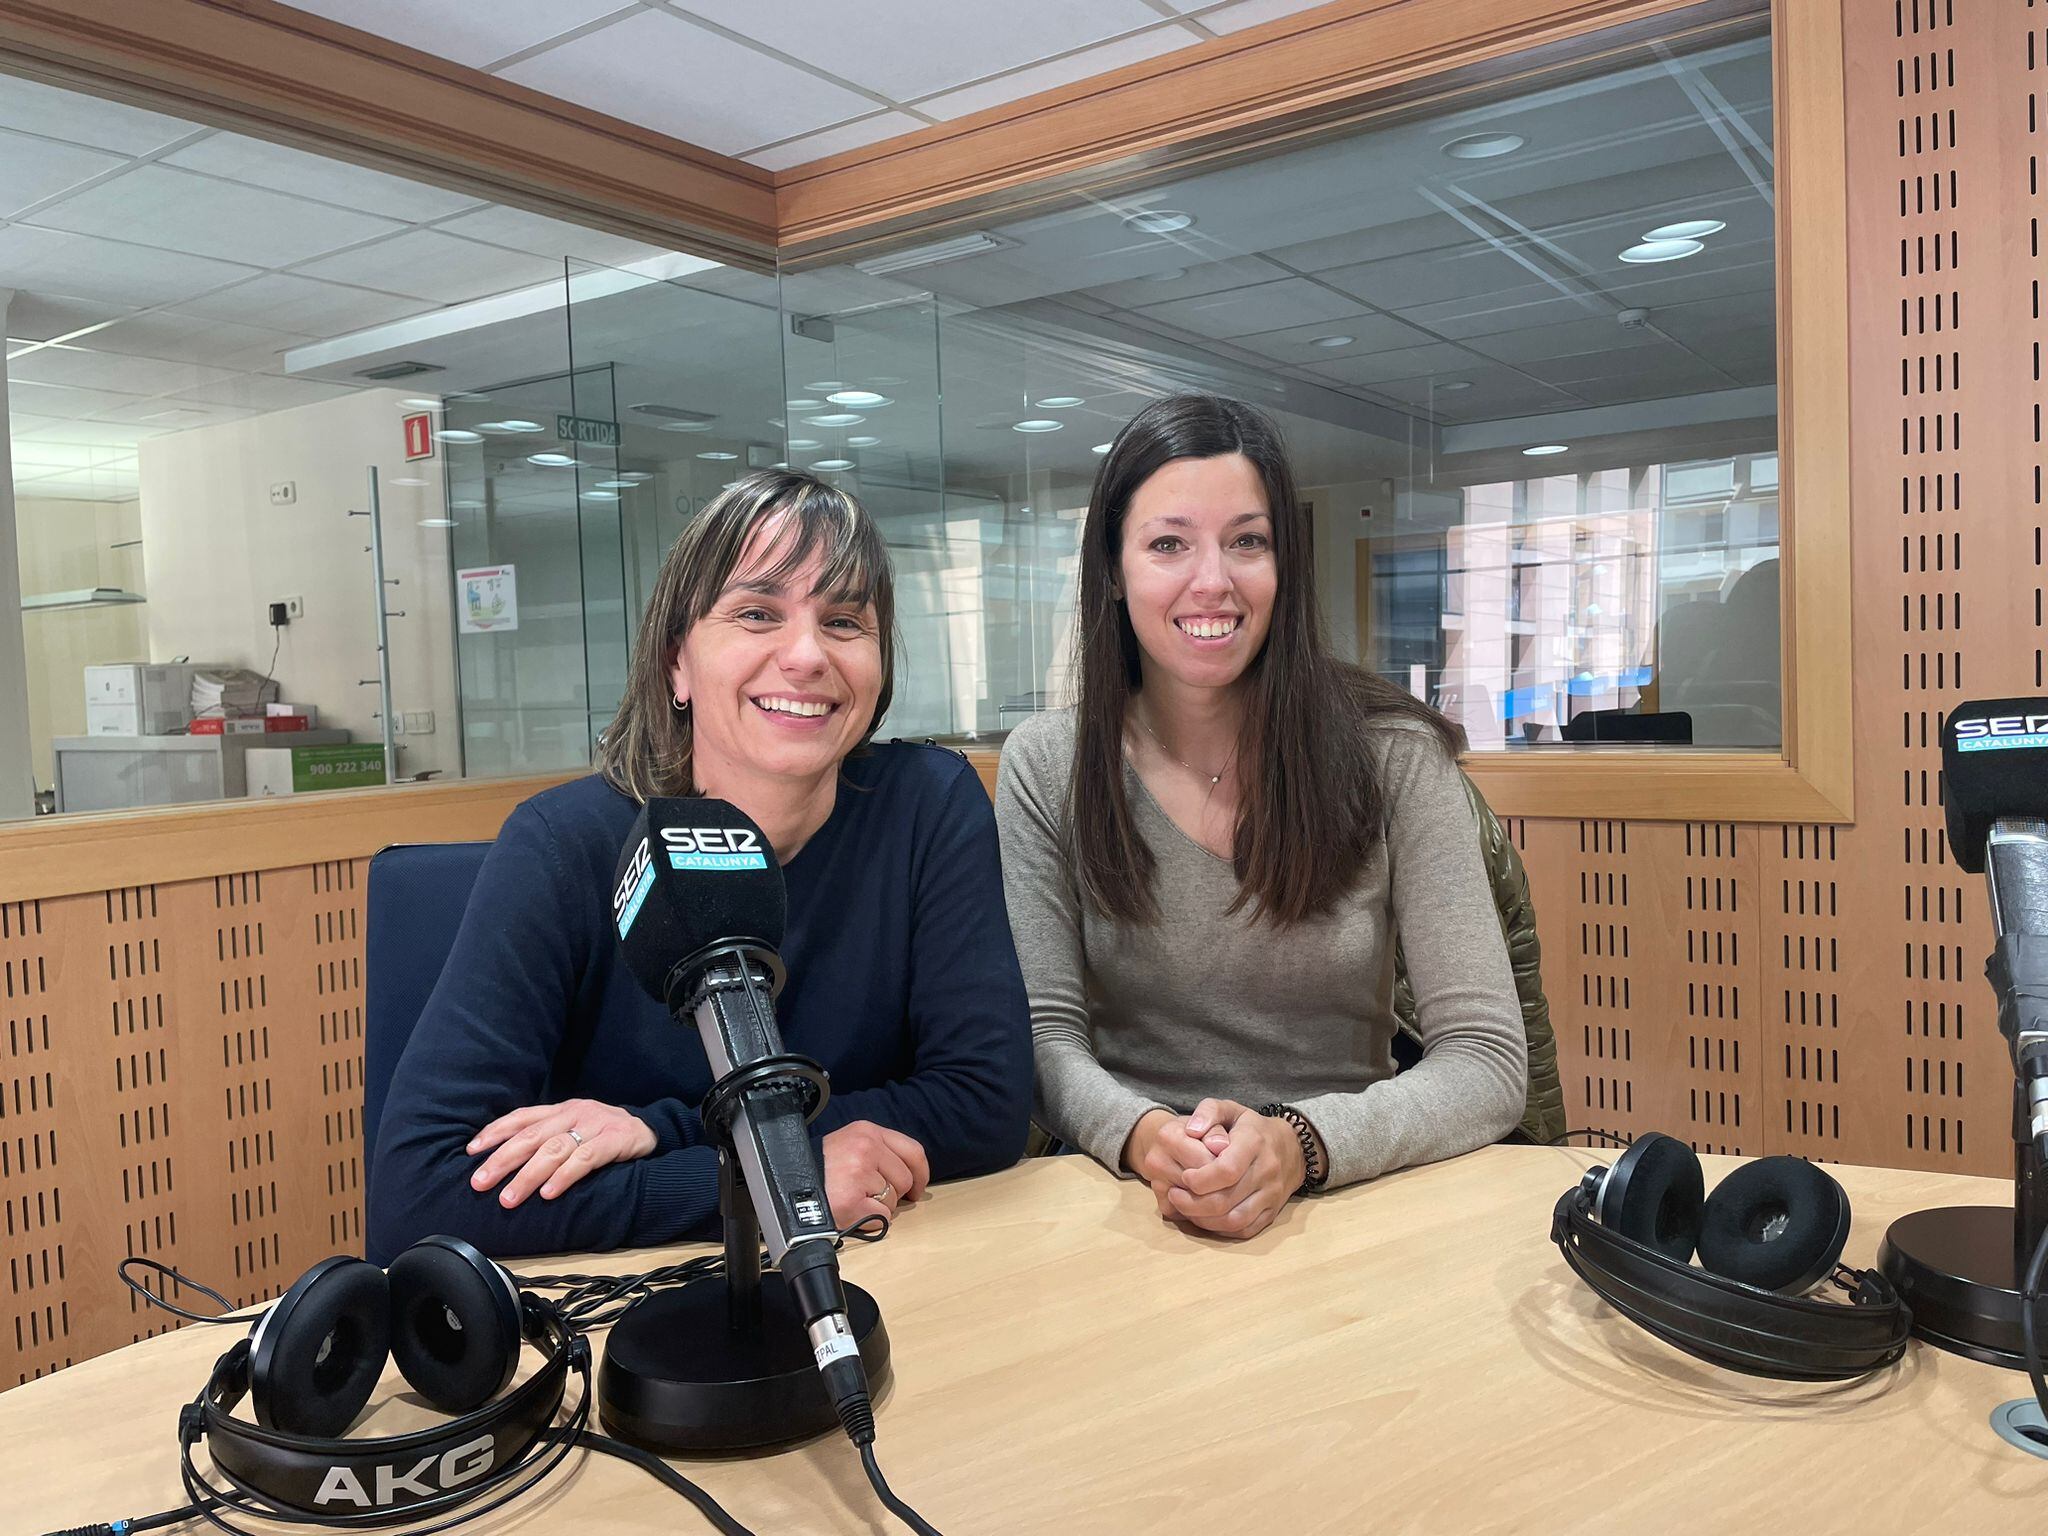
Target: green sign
x=345 y=765
x=587 y=429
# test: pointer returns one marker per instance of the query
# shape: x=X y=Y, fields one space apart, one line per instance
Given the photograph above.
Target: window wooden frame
x=264 y=67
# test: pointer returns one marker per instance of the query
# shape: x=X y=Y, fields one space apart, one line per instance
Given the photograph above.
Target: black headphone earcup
x=315 y=1356
x=455 y=1326
x=1778 y=1223
x=1653 y=1194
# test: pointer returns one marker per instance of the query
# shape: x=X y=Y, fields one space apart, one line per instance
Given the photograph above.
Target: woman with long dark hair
x=1209 y=860
x=544 y=1103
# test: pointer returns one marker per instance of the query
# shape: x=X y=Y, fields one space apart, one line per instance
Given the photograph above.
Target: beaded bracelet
x=1315 y=1172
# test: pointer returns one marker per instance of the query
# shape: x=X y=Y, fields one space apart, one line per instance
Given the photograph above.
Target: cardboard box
x=248 y=725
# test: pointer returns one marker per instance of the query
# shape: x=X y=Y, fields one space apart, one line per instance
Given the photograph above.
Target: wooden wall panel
x=180 y=1078
x=1867 y=1032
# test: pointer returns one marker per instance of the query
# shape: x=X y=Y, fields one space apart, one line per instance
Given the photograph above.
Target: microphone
x=699 y=906
x=1994 y=760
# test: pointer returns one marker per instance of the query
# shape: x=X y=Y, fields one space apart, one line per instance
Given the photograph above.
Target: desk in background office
x=1407 y=1355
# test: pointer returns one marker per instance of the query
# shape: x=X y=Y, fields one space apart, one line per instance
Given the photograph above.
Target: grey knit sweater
x=1203 y=1004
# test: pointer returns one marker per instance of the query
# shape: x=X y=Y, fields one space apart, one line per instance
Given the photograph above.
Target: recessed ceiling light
x=1333 y=341
x=552 y=460
x=1452 y=386
x=1101 y=448
x=419 y=403
x=862 y=442
x=1171 y=274
x=1058 y=402
x=683 y=426
x=1689 y=229
x=805 y=405
x=804 y=444
x=1042 y=424
x=836 y=419
x=1661 y=250
x=1544 y=450
x=615 y=485
x=1159 y=221
x=405 y=480
x=635 y=475
x=466 y=506
x=1484 y=146
x=826 y=386
x=468 y=396
x=829 y=464
x=508 y=426
x=718 y=454
x=455 y=435
x=860 y=399
x=599 y=496
x=437 y=522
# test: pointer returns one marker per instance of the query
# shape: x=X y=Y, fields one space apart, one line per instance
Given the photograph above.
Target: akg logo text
x=712 y=839
x=431 y=1475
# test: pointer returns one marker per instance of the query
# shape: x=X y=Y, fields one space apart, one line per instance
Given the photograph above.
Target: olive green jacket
x=1543 y=1118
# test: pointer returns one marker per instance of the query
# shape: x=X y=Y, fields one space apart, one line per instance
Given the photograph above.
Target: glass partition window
x=1523 y=348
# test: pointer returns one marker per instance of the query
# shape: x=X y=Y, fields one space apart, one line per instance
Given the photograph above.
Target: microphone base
x=677 y=1376
x=1954 y=1266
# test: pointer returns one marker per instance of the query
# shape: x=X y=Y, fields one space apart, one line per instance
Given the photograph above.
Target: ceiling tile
x=1405 y=362
x=304 y=174
x=166 y=333
x=462 y=30
x=1601 y=334
x=425 y=264
x=106 y=271
x=285 y=301
x=1510 y=309
x=77 y=368
x=538 y=235
x=1181 y=275
x=1407 y=281
x=1368 y=333
x=926 y=46
x=860 y=132
x=33 y=169
x=201 y=216
x=109 y=434
x=39 y=317
x=1240 y=14
x=1055 y=72
x=1293 y=301
x=54 y=456
x=81 y=119
x=63 y=403
x=641 y=69
x=1374 y=242
x=264 y=392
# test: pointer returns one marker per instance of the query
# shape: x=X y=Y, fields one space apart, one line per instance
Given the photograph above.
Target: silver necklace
x=1213 y=778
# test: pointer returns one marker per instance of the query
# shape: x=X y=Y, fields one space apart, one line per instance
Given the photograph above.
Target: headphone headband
x=1725 y=1322
x=391 y=1477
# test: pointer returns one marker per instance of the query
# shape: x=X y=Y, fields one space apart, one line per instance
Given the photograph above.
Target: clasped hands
x=1225 y=1168
x=545 y=1148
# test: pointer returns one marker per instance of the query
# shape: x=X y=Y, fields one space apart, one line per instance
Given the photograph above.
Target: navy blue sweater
x=903 y=982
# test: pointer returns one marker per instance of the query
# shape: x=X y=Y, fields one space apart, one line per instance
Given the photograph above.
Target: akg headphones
x=454 y=1323
x=1771 y=1231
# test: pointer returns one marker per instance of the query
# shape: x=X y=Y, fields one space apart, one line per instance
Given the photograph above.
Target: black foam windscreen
x=1994 y=764
x=693 y=872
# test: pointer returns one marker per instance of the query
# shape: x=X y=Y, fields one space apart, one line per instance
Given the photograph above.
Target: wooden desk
x=1408 y=1355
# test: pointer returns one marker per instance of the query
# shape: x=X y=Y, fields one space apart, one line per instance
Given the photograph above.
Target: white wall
x=64 y=546
x=217 y=553
x=1338 y=530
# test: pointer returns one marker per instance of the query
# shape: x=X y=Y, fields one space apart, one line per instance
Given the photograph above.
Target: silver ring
x=575 y=1135
x=885 y=1194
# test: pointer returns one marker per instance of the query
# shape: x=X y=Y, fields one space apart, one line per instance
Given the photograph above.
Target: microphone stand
x=1960 y=1267
x=723 y=1363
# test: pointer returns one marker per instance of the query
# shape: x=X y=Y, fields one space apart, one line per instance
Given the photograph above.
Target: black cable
x=668 y=1476
x=1607 y=1136
x=894 y=1505
x=227 y=1314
